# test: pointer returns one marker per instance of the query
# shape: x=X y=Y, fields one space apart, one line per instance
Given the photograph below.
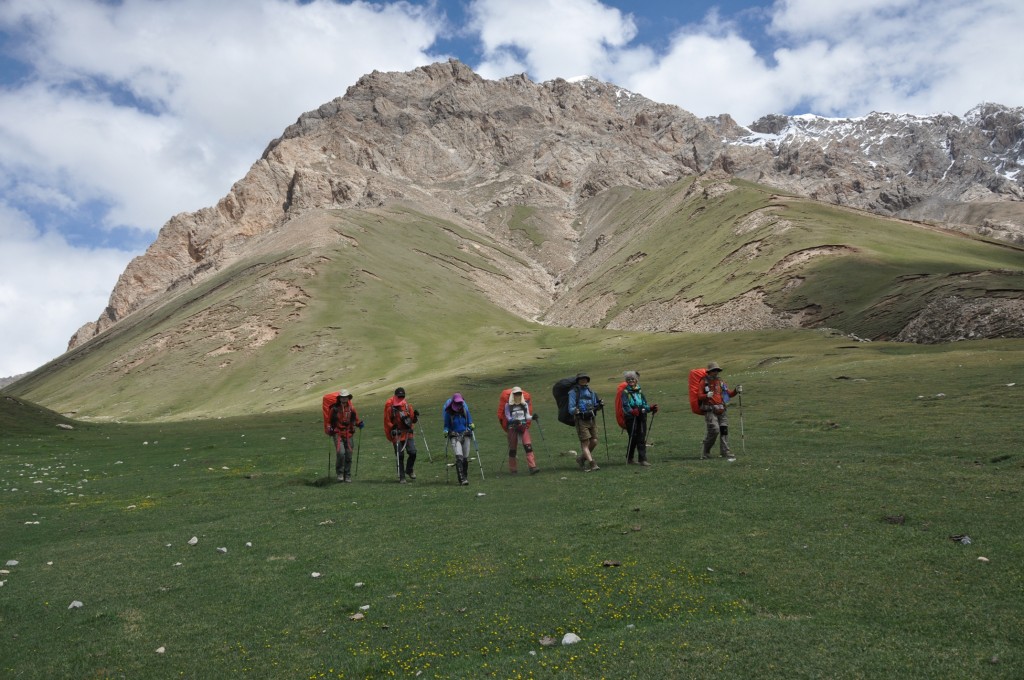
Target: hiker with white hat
x=343 y=422
x=518 y=419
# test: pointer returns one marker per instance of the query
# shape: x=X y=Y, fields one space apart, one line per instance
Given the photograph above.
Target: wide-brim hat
x=580 y=376
x=712 y=366
x=517 y=390
x=344 y=394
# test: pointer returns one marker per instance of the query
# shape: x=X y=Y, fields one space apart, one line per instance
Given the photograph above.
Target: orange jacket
x=398 y=415
x=343 y=418
x=711 y=397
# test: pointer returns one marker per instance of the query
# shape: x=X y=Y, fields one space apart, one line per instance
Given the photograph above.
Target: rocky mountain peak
x=456 y=145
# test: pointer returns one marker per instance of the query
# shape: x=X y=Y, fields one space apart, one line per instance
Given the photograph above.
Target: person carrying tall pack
x=518 y=419
x=399 y=421
x=713 y=399
x=584 y=405
x=458 y=430
x=343 y=421
x=634 y=411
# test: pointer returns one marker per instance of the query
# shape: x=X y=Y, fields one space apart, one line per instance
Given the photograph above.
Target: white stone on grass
x=248 y=544
x=365 y=607
x=570 y=639
x=222 y=550
x=315 y=574
x=12 y=563
x=360 y=584
x=194 y=540
x=161 y=650
x=75 y=604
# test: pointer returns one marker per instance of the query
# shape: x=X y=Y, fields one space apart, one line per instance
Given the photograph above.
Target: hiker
x=518 y=418
x=343 y=421
x=399 y=419
x=458 y=430
x=634 y=412
x=584 y=405
x=713 y=399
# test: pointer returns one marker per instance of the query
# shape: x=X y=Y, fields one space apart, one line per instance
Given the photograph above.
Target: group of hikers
x=578 y=406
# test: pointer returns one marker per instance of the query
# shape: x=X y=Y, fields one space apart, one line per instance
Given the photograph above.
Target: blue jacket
x=582 y=398
x=633 y=398
x=455 y=421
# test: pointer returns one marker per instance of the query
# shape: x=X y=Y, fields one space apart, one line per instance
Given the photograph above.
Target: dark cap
x=400 y=392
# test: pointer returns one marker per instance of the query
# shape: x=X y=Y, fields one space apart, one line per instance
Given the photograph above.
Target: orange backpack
x=329 y=401
x=620 y=416
x=503 y=399
x=696 y=387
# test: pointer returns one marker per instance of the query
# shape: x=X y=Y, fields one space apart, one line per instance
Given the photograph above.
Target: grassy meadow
x=823 y=551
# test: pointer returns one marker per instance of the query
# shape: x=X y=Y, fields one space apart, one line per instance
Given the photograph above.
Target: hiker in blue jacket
x=635 y=409
x=458 y=430
x=584 y=405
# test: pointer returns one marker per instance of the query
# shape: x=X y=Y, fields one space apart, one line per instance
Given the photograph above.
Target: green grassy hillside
x=865 y=275
x=393 y=299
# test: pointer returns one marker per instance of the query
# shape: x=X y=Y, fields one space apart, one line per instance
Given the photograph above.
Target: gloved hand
x=739 y=389
x=600 y=405
x=415 y=415
x=635 y=412
x=579 y=412
x=394 y=433
x=360 y=424
x=446 y=434
x=654 y=408
x=535 y=416
x=472 y=426
x=330 y=431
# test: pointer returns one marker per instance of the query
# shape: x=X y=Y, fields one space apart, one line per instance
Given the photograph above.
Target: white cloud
x=549 y=38
x=45 y=286
x=219 y=80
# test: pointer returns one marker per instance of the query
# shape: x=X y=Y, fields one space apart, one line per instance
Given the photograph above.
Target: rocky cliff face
x=453 y=144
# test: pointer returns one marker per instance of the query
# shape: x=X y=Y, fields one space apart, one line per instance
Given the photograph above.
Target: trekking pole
x=607 y=453
x=629 y=442
x=330 y=453
x=649 y=428
x=743 y=436
x=359 y=444
x=428 y=447
x=399 y=447
x=447 y=471
x=539 y=428
x=478 y=460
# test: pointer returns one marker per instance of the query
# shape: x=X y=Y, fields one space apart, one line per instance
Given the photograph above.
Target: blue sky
x=116 y=115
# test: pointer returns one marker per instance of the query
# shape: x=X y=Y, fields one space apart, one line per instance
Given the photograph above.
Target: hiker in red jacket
x=713 y=398
x=399 y=419
x=342 y=425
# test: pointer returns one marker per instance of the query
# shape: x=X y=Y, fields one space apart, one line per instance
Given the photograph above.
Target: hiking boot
x=341 y=478
x=534 y=470
x=401 y=480
x=593 y=466
x=644 y=463
x=464 y=482
x=410 y=474
x=580 y=460
x=629 y=461
x=348 y=479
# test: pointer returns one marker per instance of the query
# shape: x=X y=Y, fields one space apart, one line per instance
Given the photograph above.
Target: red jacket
x=398 y=415
x=344 y=418
x=711 y=397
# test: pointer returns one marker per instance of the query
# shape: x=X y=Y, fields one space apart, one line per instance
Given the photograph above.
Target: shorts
x=586 y=429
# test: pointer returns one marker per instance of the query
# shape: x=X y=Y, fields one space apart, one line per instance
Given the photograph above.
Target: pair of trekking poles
x=476 y=445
